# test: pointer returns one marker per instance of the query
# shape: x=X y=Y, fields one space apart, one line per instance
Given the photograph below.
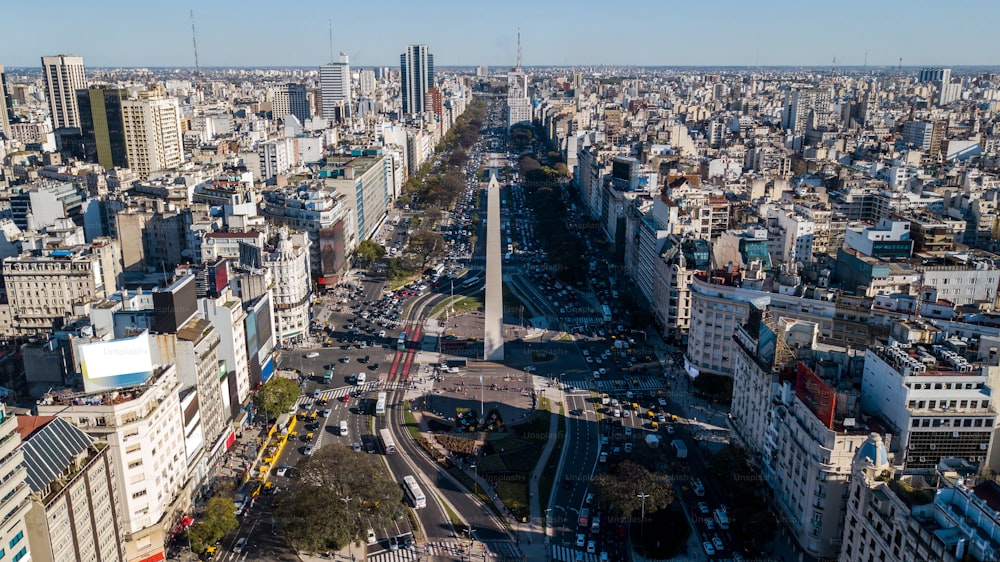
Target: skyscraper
x=64 y=75
x=5 y=105
x=102 y=127
x=152 y=133
x=290 y=99
x=335 y=86
x=416 y=68
x=366 y=82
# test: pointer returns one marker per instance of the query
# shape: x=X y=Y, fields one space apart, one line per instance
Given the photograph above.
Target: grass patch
x=418 y=534
x=411 y=423
x=513 y=301
x=514 y=494
x=512 y=460
x=458 y=305
x=565 y=337
x=548 y=478
x=471 y=485
x=456 y=522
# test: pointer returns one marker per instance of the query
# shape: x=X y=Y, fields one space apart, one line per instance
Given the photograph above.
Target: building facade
x=289 y=265
x=152 y=133
x=416 y=67
x=335 y=86
x=64 y=75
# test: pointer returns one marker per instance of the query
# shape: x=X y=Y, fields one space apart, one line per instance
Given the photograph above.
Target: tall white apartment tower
x=64 y=75
x=416 y=68
x=152 y=126
x=335 y=85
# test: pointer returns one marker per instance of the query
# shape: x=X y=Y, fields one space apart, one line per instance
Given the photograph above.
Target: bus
x=606 y=311
x=388 y=445
x=414 y=492
x=470 y=282
x=401 y=341
x=328 y=376
x=380 y=405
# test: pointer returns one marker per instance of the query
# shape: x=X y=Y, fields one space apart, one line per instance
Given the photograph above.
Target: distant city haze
x=560 y=32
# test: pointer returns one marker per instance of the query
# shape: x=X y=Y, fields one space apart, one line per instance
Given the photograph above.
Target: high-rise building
x=800 y=105
x=64 y=75
x=290 y=99
x=152 y=133
x=14 y=494
x=6 y=115
x=366 y=82
x=75 y=512
x=102 y=126
x=518 y=102
x=335 y=86
x=416 y=68
x=289 y=265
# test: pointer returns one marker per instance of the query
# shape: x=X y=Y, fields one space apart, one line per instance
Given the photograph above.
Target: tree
x=618 y=489
x=218 y=519
x=426 y=246
x=276 y=396
x=368 y=251
x=313 y=515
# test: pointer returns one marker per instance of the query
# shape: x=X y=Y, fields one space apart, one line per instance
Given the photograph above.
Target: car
x=605 y=557
x=604 y=457
x=670 y=429
x=628 y=447
x=308 y=450
x=316 y=394
x=710 y=525
x=590 y=359
x=381 y=334
x=580 y=539
x=372 y=539
x=703 y=508
x=591 y=547
x=603 y=371
x=628 y=432
x=394 y=543
x=709 y=548
x=604 y=440
x=282 y=470
x=717 y=543
x=312 y=354
x=327 y=412
x=356 y=447
x=240 y=546
x=589 y=499
x=345 y=398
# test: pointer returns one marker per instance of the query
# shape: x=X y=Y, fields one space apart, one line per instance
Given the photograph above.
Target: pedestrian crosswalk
x=630 y=383
x=566 y=554
x=334 y=393
x=455 y=550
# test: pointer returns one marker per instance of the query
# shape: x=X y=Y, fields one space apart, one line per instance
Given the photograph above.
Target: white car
x=580 y=539
x=312 y=354
x=308 y=451
x=372 y=539
x=592 y=547
x=240 y=545
x=381 y=334
x=709 y=548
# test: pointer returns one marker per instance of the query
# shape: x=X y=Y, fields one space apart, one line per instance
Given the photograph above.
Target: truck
x=652 y=441
x=680 y=448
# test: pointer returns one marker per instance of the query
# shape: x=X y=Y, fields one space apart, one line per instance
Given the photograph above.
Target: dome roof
x=872 y=452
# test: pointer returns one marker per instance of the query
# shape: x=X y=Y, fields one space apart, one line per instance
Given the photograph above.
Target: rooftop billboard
x=118 y=363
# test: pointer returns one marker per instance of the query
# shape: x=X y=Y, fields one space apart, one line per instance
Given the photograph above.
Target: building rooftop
x=104 y=397
x=51 y=450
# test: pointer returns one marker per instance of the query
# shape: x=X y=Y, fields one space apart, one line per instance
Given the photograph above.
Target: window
x=17 y=538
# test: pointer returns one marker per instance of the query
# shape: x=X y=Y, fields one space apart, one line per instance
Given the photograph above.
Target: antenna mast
x=519 y=48
x=194 y=42
x=331 y=40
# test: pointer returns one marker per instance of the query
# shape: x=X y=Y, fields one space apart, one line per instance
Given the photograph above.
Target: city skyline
x=723 y=33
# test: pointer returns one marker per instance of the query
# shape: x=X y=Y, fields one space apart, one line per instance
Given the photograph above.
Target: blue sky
x=474 y=32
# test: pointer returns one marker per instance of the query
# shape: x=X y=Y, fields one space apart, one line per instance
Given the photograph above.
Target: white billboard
x=118 y=363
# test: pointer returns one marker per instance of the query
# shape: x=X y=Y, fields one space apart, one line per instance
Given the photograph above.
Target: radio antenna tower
x=194 y=42
x=331 y=39
x=518 y=49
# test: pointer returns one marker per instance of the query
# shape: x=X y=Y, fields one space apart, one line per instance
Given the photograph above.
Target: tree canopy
x=313 y=515
x=218 y=519
x=276 y=396
x=426 y=246
x=368 y=251
x=618 y=489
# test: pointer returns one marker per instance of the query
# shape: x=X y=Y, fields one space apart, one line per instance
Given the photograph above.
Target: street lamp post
x=350 y=528
x=642 y=532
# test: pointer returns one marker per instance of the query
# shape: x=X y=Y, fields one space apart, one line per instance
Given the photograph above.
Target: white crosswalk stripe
x=566 y=554
x=644 y=383
x=449 y=549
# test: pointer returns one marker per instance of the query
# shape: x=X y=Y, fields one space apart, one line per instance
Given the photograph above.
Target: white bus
x=414 y=492
x=380 y=405
x=470 y=282
x=388 y=445
x=606 y=311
